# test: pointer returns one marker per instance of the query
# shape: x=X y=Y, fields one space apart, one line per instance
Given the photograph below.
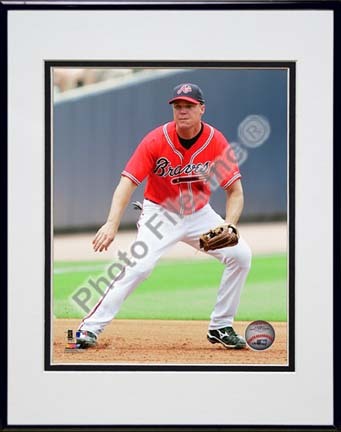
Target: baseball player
x=182 y=160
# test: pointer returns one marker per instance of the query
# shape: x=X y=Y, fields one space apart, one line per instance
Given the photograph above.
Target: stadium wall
x=94 y=134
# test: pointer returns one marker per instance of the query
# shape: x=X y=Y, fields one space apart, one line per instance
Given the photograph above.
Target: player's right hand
x=104 y=237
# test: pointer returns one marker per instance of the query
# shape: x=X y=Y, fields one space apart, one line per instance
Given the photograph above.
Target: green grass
x=179 y=290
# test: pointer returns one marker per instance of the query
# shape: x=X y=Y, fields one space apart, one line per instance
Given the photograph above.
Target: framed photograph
x=169 y=316
x=137 y=135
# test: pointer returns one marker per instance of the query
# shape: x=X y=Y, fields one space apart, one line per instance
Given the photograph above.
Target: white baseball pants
x=159 y=230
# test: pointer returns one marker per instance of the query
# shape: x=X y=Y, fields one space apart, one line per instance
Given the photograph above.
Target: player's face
x=187 y=115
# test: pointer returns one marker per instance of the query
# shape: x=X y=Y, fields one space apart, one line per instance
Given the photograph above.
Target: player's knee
x=242 y=256
x=143 y=271
x=245 y=256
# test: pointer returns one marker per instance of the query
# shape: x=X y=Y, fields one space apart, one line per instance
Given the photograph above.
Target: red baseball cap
x=188 y=92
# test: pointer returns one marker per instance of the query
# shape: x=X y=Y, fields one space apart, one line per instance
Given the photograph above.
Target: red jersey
x=182 y=179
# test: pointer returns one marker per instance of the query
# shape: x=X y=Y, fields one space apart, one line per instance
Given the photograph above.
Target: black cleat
x=227 y=337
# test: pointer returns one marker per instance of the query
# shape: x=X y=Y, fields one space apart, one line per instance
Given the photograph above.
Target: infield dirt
x=164 y=342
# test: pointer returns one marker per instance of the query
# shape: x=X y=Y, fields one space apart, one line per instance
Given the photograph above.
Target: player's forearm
x=120 y=200
x=234 y=206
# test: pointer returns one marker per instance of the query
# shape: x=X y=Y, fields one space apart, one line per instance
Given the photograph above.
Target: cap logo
x=186 y=88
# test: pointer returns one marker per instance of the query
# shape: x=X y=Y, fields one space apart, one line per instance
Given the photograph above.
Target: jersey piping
x=170 y=142
x=206 y=143
x=165 y=132
x=134 y=179
x=232 y=180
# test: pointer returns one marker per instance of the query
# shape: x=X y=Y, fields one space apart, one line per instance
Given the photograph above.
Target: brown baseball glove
x=219 y=237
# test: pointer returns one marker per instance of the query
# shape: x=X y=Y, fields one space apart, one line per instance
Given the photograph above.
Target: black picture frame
x=334 y=6
x=290 y=69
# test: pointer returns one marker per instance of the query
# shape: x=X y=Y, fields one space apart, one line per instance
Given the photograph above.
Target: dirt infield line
x=164 y=342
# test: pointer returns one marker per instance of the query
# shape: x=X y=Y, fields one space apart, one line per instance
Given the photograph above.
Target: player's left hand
x=225 y=235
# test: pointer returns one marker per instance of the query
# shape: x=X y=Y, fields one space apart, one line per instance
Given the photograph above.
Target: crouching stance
x=182 y=160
